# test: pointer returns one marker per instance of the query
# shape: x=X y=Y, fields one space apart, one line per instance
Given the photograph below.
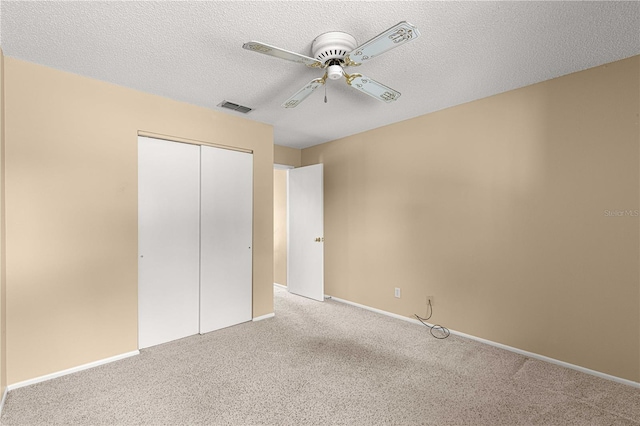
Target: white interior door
x=305 y=259
x=168 y=240
x=226 y=238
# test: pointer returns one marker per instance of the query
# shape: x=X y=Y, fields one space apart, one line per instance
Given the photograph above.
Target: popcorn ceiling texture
x=192 y=52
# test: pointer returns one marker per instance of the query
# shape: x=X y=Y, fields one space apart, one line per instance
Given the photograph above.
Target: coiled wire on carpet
x=444 y=330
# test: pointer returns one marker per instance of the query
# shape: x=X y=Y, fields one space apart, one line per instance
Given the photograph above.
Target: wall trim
x=500 y=345
x=171 y=138
x=72 y=370
x=4 y=398
x=282 y=166
x=264 y=317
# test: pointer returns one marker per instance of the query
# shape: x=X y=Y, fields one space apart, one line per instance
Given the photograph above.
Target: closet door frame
x=160 y=319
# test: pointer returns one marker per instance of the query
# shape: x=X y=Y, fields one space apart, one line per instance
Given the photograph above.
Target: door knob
x=319 y=239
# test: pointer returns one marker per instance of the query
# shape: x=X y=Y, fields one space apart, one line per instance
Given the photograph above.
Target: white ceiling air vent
x=235 y=107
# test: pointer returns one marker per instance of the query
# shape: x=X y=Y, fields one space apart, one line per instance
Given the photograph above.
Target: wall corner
x=287 y=156
x=3 y=333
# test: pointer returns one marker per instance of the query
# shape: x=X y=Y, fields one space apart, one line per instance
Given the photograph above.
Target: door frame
x=199 y=145
x=285 y=168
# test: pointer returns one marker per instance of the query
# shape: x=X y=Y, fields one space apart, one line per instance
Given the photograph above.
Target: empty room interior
x=288 y=188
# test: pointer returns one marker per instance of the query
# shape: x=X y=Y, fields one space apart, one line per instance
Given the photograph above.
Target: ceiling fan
x=336 y=50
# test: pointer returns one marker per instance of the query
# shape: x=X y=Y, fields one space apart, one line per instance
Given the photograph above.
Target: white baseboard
x=279 y=285
x=4 y=398
x=71 y=370
x=264 y=317
x=501 y=346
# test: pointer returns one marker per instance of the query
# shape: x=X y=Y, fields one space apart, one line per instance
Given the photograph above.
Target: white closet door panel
x=226 y=218
x=168 y=240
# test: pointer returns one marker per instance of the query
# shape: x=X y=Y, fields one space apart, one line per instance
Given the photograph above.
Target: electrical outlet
x=397 y=293
x=430 y=300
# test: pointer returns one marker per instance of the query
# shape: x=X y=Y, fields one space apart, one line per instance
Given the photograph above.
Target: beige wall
x=280 y=227
x=3 y=299
x=287 y=156
x=497 y=208
x=71 y=193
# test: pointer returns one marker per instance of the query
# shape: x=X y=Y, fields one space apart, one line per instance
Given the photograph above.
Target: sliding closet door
x=226 y=238
x=168 y=240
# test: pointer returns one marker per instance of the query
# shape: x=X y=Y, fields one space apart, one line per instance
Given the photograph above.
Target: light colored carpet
x=325 y=364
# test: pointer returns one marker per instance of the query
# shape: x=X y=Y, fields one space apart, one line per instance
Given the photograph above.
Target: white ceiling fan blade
x=373 y=88
x=266 y=49
x=395 y=36
x=303 y=93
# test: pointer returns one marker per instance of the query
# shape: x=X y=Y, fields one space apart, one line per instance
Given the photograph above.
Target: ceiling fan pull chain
x=325 y=93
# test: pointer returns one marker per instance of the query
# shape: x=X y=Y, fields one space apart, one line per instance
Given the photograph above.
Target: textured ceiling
x=191 y=51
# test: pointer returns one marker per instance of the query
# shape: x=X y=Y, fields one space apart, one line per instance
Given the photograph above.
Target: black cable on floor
x=444 y=330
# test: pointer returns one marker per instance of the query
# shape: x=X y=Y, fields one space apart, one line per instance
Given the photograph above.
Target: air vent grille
x=235 y=107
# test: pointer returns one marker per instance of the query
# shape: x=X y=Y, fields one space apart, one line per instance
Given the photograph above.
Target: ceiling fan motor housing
x=332 y=45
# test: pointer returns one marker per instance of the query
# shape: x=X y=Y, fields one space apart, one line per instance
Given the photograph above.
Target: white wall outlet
x=397 y=293
x=430 y=300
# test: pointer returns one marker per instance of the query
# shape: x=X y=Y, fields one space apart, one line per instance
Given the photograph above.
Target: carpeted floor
x=324 y=364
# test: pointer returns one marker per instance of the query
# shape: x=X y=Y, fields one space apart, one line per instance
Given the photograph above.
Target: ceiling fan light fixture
x=334 y=72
